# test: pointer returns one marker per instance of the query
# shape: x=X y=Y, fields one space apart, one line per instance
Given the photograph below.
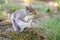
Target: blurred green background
x=50 y=25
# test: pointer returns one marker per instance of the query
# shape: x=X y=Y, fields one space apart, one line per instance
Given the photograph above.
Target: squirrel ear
x=27 y=8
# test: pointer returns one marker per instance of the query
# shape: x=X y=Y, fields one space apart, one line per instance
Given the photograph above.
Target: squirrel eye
x=31 y=10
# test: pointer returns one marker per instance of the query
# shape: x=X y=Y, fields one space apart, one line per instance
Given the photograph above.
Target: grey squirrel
x=22 y=18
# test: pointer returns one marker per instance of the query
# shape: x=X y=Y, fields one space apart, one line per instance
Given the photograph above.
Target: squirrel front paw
x=21 y=30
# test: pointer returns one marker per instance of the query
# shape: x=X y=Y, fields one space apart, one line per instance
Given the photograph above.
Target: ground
x=7 y=33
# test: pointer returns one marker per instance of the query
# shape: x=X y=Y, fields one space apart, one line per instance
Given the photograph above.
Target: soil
x=7 y=33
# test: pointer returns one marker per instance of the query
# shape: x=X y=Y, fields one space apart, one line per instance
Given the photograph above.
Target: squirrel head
x=31 y=10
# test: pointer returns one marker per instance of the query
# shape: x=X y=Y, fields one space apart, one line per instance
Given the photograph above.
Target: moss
x=27 y=34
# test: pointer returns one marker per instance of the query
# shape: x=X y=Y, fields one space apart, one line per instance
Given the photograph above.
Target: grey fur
x=19 y=22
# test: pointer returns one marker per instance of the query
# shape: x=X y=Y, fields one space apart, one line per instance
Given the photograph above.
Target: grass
x=2 y=1
x=42 y=7
x=0 y=13
x=1 y=16
x=58 y=7
x=10 y=7
x=51 y=27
